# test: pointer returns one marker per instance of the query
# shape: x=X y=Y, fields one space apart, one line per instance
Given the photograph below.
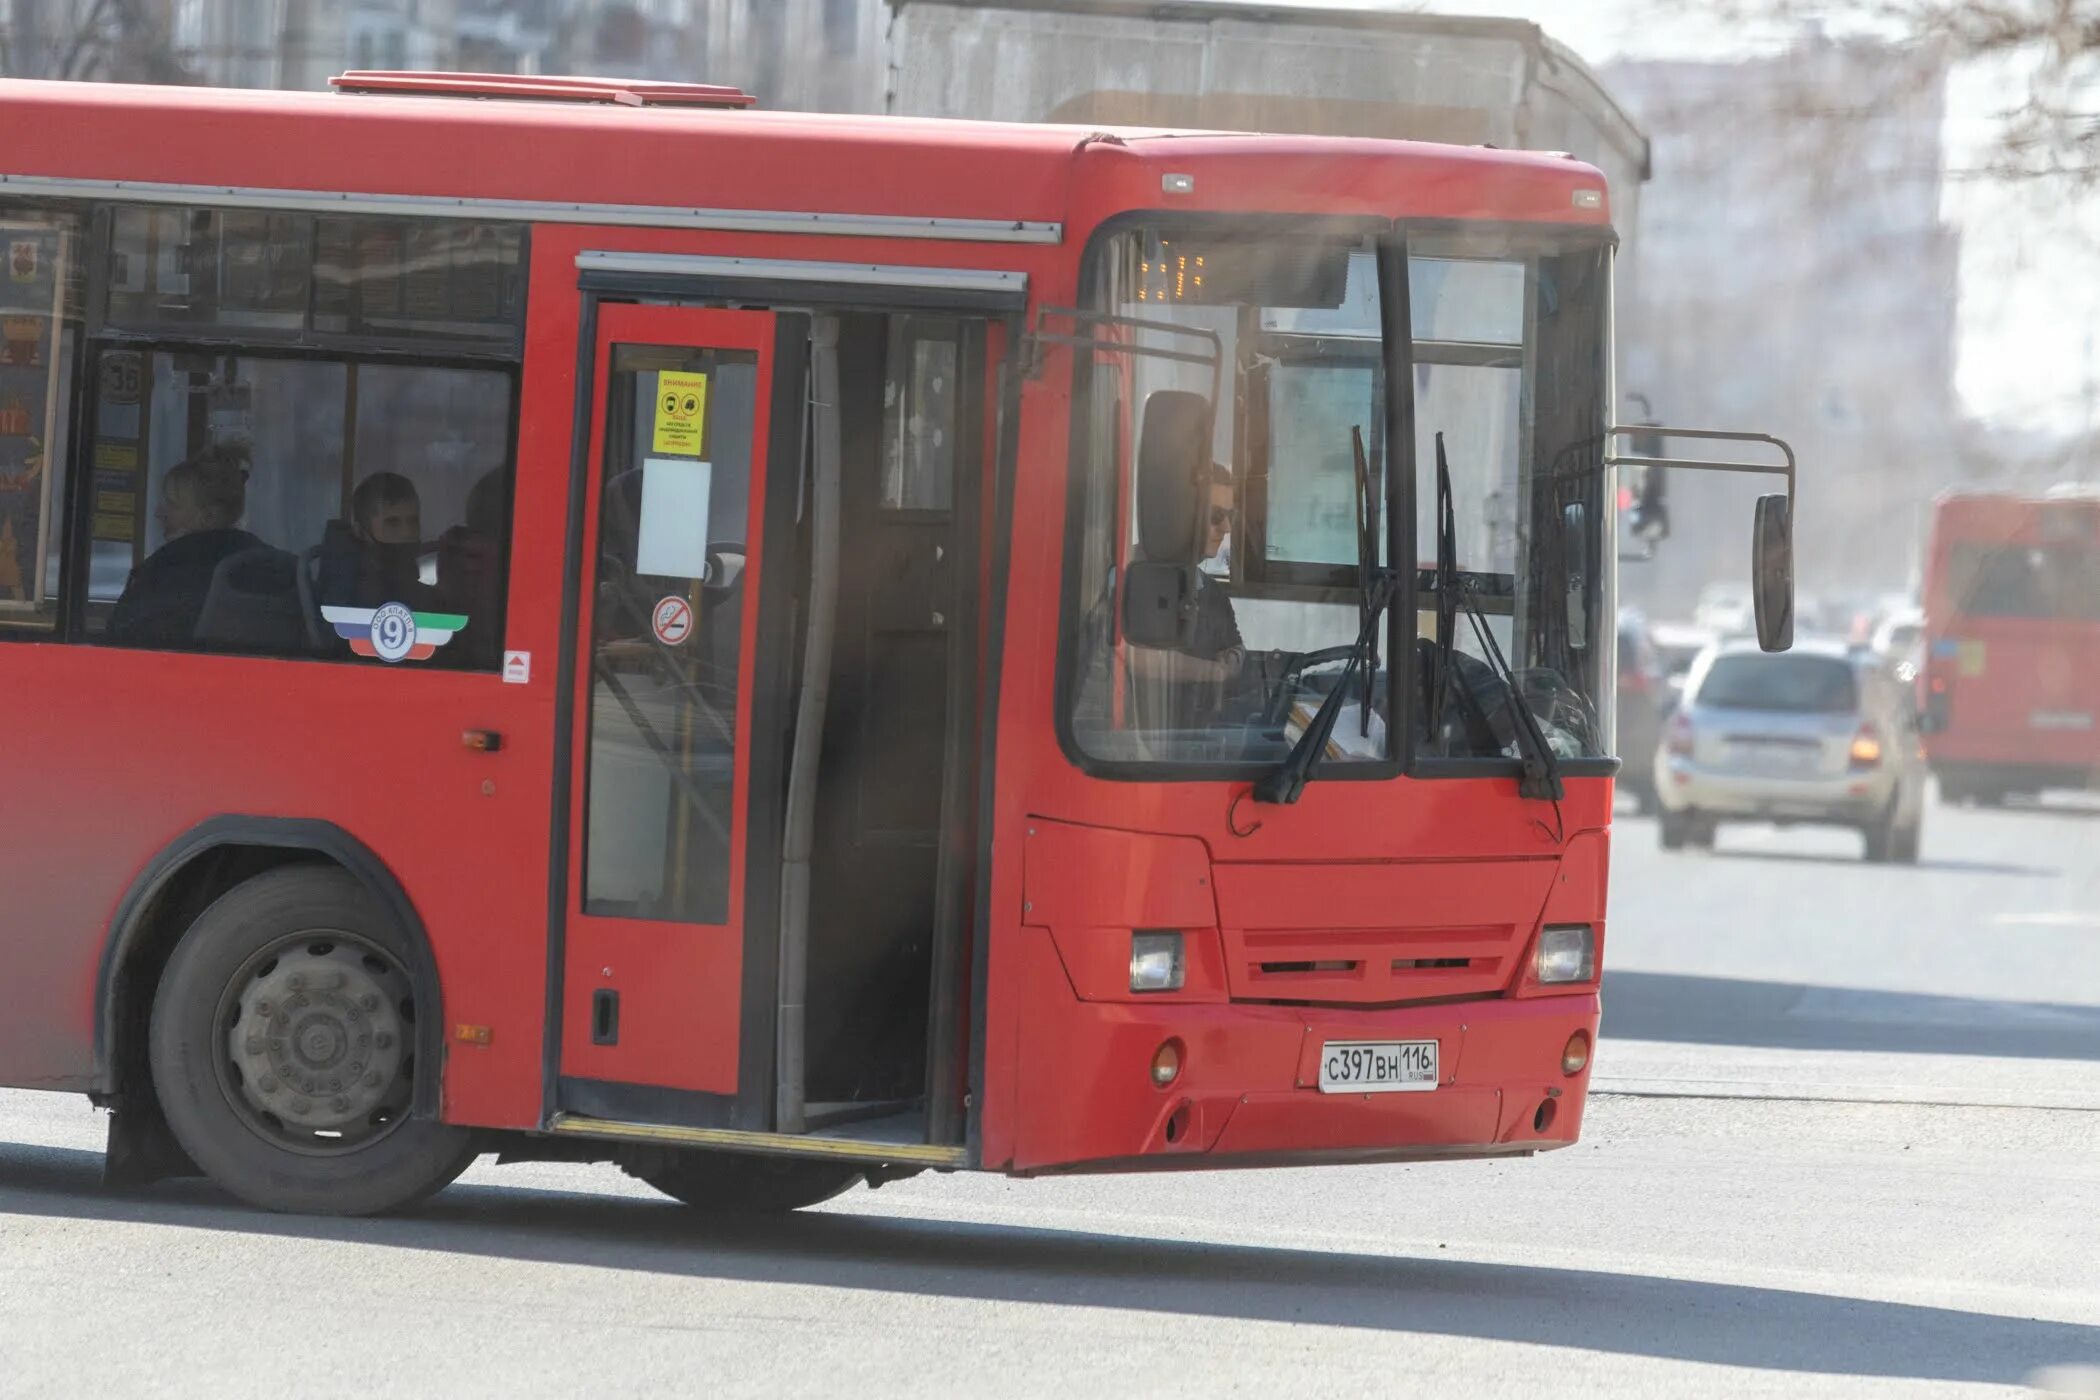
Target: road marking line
x=1884 y=1095
x=2057 y=918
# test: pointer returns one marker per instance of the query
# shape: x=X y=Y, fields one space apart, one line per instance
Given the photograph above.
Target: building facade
x=1798 y=277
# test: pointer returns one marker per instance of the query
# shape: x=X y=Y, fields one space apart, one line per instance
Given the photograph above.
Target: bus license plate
x=1377 y=1066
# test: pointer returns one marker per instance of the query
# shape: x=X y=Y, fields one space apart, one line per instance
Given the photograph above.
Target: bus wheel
x=283 y=1050
x=743 y=1183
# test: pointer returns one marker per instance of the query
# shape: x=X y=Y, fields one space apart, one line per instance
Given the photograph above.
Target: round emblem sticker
x=393 y=632
x=672 y=620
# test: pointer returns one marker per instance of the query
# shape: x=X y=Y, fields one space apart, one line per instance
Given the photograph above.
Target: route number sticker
x=672 y=620
x=393 y=632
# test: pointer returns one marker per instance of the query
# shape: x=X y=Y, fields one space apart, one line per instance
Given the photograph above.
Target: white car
x=1899 y=636
x=1725 y=609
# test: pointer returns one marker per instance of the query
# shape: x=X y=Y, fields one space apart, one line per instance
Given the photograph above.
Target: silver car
x=1819 y=734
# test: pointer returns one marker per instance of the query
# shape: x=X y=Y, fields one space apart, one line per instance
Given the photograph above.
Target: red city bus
x=779 y=650
x=2012 y=645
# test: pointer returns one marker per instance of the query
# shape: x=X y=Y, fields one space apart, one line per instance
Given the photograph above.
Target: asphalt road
x=1849 y=1143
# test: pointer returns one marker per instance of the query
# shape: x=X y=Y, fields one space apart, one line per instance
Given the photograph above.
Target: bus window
x=1508 y=339
x=1507 y=366
x=919 y=426
x=2060 y=582
x=39 y=332
x=276 y=272
x=666 y=636
x=281 y=504
x=1279 y=486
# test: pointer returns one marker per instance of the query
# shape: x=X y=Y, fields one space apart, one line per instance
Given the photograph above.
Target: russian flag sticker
x=392 y=632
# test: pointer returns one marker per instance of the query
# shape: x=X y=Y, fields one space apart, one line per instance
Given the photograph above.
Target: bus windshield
x=1282 y=332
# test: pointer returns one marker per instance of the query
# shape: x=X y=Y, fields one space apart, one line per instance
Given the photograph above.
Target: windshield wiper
x=1541 y=777
x=1287 y=783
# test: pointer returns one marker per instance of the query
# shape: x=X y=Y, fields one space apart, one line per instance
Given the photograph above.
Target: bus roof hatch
x=623 y=92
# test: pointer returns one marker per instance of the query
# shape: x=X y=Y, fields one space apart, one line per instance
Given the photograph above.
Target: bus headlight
x=1567 y=953
x=1157 y=963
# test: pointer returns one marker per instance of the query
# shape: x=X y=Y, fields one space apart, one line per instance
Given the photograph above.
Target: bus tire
x=740 y=1183
x=283 y=1050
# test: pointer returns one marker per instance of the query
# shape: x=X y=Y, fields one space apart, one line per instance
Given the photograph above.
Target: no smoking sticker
x=681 y=407
x=672 y=620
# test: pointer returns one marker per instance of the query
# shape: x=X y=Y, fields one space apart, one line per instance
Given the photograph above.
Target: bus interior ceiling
x=909 y=434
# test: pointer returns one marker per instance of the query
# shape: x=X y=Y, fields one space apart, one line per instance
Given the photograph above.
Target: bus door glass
x=662 y=735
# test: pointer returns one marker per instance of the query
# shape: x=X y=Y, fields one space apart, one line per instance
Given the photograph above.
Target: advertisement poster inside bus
x=30 y=365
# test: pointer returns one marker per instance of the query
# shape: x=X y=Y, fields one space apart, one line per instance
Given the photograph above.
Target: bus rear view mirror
x=1772 y=573
x=1159 y=605
x=1173 y=477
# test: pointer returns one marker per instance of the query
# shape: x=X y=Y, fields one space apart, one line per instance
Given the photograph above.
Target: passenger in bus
x=470 y=565
x=202 y=500
x=376 y=556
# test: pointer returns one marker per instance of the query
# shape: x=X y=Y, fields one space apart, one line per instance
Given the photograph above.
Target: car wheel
x=1673 y=827
x=283 y=1045
x=1703 y=832
x=1908 y=840
x=1881 y=836
x=743 y=1183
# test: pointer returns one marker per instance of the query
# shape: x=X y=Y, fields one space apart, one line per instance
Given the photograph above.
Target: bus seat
x=258 y=602
x=1173 y=497
x=1173 y=477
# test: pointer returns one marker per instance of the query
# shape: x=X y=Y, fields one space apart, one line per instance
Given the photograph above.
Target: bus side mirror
x=1772 y=573
x=1173 y=477
x=1159 y=605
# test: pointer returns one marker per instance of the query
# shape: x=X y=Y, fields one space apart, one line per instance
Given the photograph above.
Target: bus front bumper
x=1247 y=1093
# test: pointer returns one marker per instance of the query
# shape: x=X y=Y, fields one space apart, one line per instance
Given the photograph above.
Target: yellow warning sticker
x=681 y=407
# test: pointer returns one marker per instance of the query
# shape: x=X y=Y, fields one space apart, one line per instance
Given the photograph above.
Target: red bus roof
x=2015 y=519
x=705 y=156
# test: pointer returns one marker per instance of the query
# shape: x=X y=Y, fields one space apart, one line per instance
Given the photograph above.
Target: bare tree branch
x=2052 y=132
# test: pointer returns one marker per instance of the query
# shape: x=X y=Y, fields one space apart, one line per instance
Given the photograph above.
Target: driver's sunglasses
x=1220 y=515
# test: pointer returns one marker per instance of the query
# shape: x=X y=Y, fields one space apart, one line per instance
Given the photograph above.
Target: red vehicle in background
x=2011 y=681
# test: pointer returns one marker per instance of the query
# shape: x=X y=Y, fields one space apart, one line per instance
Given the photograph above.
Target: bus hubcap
x=318 y=1043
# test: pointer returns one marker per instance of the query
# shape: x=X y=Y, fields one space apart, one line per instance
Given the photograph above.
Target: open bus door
x=774 y=677
x=673 y=810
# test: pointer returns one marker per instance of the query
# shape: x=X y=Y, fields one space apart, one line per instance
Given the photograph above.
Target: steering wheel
x=1291 y=667
x=1560 y=706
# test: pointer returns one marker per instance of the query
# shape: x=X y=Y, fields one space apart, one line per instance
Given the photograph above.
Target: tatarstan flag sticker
x=392 y=632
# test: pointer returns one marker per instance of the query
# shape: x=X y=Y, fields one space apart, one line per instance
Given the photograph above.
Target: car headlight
x=1567 y=953
x=1157 y=963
